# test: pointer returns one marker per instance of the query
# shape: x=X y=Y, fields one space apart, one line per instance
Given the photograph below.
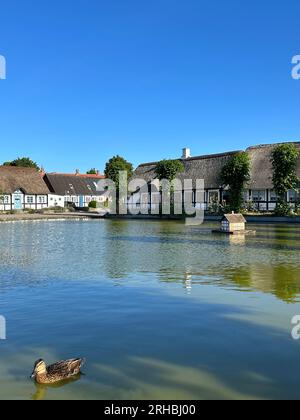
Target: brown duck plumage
x=58 y=372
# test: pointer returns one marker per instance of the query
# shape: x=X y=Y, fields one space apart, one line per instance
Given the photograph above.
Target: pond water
x=160 y=310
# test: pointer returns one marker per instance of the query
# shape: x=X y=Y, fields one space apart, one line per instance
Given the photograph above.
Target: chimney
x=77 y=172
x=97 y=172
x=42 y=171
x=186 y=153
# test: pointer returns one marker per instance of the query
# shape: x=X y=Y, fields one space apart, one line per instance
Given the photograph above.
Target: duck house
x=234 y=224
x=231 y=223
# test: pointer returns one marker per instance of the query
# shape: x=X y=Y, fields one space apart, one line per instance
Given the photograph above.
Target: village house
x=73 y=189
x=22 y=188
x=259 y=192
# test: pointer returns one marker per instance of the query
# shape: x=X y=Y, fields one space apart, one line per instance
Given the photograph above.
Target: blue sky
x=90 y=79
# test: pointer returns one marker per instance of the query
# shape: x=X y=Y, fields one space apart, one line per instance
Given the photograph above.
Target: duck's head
x=40 y=368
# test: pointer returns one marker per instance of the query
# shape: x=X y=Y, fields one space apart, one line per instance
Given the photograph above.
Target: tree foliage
x=92 y=171
x=235 y=174
x=284 y=160
x=168 y=169
x=24 y=162
x=115 y=165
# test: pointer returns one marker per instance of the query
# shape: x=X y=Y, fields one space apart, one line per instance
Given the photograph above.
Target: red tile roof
x=94 y=176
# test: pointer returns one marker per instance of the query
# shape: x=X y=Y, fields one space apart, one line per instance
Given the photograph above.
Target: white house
x=75 y=189
x=22 y=188
x=259 y=192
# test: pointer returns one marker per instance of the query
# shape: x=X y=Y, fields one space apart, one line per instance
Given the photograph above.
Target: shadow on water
x=41 y=390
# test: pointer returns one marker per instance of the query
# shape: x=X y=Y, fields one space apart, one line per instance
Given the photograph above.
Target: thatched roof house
x=261 y=166
x=208 y=167
x=22 y=188
x=26 y=179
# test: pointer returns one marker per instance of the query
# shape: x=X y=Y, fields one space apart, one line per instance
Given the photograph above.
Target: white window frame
x=259 y=196
x=273 y=196
x=4 y=199
x=292 y=196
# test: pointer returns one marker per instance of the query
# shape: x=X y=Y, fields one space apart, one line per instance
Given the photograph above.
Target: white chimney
x=186 y=153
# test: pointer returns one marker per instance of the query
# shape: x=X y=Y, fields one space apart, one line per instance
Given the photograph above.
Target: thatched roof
x=67 y=184
x=234 y=218
x=261 y=166
x=209 y=167
x=206 y=167
x=28 y=180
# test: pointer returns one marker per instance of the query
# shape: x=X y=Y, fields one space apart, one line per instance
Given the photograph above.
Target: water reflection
x=282 y=281
x=239 y=240
x=194 y=315
x=173 y=252
x=41 y=390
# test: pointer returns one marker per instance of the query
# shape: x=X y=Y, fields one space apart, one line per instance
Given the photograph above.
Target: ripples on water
x=160 y=309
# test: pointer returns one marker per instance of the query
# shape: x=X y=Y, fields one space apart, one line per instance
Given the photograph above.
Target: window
x=213 y=197
x=273 y=196
x=30 y=199
x=42 y=199
x=259 y=195
x=4 y=199
x=293 y=196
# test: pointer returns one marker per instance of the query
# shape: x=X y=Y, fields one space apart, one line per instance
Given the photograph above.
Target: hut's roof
x=209 y=167
x=28 y=180
x=64 y=184
x=234 y=218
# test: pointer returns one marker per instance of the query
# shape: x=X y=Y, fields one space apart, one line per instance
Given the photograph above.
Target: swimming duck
x=58 y=372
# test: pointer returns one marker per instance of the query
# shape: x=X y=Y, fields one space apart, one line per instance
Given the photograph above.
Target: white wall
x=28 y=201
x=56 y=200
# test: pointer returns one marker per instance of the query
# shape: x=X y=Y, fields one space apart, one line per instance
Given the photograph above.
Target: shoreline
x=25 y=217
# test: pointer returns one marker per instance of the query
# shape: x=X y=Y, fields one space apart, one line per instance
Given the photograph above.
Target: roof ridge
x=77 y=175
x=262 y=146
x=18 y=168
x=210 y=156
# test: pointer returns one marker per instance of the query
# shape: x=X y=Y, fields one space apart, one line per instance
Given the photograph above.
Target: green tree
x=114 y=166
x=92 y=171
x=235 y=174
x=284 y=161
x=169 y=169
x=24 y=162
